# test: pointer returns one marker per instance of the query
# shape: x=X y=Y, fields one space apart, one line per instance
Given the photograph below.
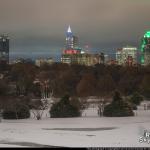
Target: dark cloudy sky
x=38 y=26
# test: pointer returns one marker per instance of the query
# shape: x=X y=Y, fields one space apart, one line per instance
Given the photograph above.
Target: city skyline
x=39 y=26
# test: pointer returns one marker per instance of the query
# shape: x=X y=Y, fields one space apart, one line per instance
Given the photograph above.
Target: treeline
x=77 y=80
x=22 y=83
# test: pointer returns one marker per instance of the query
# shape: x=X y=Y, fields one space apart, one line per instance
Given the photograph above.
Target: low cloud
x=103 y=24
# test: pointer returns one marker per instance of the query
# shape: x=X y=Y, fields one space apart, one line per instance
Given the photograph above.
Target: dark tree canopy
x=77 y=80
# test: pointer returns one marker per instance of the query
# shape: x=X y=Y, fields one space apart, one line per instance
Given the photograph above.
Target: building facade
x=75 y=42
x=82 y=59
x=145 y=49
x=4 y=48
x=126 y=56
x=41 y=61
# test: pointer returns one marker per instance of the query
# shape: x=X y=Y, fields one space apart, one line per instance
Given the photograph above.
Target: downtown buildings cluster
x=73 y=54
x=128 y=55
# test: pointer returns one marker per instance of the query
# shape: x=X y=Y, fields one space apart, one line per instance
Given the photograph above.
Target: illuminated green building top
x=147 y=34
x=144 y=40
x=144 y=43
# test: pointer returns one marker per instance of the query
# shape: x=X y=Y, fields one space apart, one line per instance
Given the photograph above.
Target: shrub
x=136 y=98
x=18 y=112
x=74 y=101
x=134 y=107
x=64 y=109
x=118 y=107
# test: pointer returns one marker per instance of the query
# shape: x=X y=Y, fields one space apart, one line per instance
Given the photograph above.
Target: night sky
x=37 y=27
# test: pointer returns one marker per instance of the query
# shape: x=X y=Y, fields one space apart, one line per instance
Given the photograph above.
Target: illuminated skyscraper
x=72 y=41
x=69 y=39
x=4 y=48
x=145 y=49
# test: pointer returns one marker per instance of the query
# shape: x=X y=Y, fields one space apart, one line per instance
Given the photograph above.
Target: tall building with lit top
x=72 y=41
x=4 y=48
x=145 y=49
x=73 y=54
x=72 y=46
x=69 y=39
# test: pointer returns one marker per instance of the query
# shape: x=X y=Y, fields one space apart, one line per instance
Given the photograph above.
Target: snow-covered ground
x=86 y=131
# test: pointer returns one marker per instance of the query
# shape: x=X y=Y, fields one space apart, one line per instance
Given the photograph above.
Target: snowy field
x=86 y=131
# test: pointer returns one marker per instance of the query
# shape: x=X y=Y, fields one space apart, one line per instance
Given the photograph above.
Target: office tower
x=4 y=49
x=145 y=49
x=69 y=39
x=126 y=56
x=72 y=42
x=41 y=61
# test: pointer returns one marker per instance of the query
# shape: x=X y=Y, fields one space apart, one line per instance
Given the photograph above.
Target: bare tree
x=40 y=105
x=83 y=103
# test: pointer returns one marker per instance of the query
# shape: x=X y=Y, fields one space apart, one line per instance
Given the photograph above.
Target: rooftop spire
x=69 y=29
